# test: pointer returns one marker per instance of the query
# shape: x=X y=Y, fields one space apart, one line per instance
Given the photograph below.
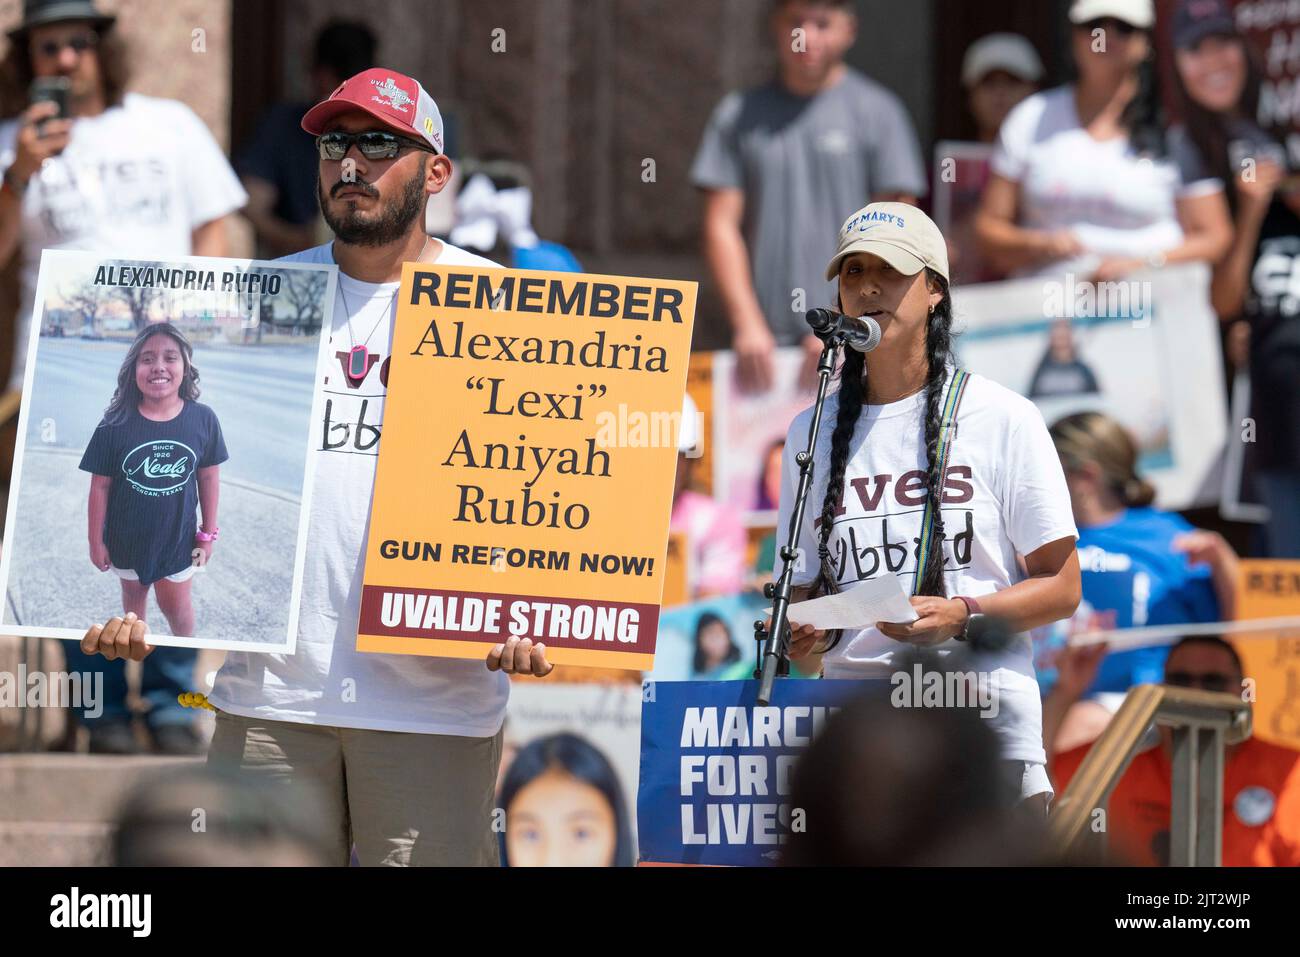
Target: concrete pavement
x=244 y=592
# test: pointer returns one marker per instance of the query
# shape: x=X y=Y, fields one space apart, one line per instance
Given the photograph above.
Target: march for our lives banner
x=716 y=767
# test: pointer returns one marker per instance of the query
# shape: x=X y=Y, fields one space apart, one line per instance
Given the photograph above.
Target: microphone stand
x=774 y=642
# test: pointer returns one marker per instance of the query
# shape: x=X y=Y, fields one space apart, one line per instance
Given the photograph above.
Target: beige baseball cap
x=1001 y=51
x=1140 y=13
x=901 y=235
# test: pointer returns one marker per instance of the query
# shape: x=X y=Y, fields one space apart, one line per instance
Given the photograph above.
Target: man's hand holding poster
x=525 y=481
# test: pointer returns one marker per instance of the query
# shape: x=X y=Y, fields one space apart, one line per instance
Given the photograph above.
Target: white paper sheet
x=876 y=599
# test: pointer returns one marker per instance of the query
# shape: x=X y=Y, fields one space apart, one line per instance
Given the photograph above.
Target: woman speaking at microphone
x=946 y=510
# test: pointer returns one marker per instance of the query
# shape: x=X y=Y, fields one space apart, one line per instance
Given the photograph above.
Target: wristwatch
x=973 y=613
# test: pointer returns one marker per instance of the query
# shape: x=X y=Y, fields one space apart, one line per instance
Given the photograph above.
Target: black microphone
x=822 y=321
x=861 y=333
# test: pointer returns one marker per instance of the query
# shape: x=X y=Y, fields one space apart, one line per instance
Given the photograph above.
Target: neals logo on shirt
x=159 y=468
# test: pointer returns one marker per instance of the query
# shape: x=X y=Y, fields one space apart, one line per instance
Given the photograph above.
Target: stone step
x=71 y=789
x=55 y=844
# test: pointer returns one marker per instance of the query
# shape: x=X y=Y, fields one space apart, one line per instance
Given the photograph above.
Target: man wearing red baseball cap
x=395 y=100
x=405 y=748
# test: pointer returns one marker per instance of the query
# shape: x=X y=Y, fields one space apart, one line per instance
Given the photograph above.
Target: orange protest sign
x=677 y=573
x=1271 y=589
x=525 y=480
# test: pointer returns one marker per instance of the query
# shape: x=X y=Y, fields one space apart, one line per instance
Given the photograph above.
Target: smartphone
x=51 y=89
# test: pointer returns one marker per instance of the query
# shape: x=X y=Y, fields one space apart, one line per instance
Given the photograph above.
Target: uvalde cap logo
x=390 y=94
x=159 y=468
x=395 y=100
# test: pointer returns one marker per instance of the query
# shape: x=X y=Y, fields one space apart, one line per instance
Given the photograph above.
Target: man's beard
x=395 y=217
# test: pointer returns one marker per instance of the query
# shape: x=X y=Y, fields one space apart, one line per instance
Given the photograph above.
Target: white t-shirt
x=1005 y=494
x=1116 y=202
x=327 y=681
x=134 y=181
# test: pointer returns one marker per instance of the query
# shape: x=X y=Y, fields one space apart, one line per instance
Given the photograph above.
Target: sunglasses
x=79 y=44
x=1122 y=27
x=1206 y=682
x=373 y=144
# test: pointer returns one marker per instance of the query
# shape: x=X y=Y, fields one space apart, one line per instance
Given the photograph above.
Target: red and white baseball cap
x=396 y=101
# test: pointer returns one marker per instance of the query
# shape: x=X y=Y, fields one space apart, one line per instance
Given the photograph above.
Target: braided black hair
x=853 y=391
x=852 y=394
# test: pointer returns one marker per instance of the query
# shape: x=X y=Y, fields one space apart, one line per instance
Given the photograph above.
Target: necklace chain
x=897 y=398
x=391 y=302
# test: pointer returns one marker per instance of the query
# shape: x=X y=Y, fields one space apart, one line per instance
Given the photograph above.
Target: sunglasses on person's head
x=374 y=144
x=79 y=44
x=1122 y=27
x=1206 y=682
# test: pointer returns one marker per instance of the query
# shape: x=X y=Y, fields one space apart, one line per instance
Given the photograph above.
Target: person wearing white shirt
x=121 y=173
x=405 y=749
x=1081 y=179
x=951 y=513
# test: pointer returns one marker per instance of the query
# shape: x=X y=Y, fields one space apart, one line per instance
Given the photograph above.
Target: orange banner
x=1271 y=589
x=525 y=480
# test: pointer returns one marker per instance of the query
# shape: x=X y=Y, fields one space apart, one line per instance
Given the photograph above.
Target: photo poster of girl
x=1173 y=400
x=565 y=806
x=166 y=449
x=153 y=459
x=710 y=640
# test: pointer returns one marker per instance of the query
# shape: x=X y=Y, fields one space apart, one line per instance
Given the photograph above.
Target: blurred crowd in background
x=1154 y=153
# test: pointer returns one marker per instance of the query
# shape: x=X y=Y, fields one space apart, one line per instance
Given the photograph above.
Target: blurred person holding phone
x=89 y=166
x=1082 y=179
x=1218 y=79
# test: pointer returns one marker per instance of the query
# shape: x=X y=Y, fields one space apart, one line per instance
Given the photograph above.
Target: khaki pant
x=401 y=798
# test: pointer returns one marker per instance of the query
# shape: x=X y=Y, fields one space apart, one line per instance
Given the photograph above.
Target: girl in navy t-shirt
x=154 y=460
